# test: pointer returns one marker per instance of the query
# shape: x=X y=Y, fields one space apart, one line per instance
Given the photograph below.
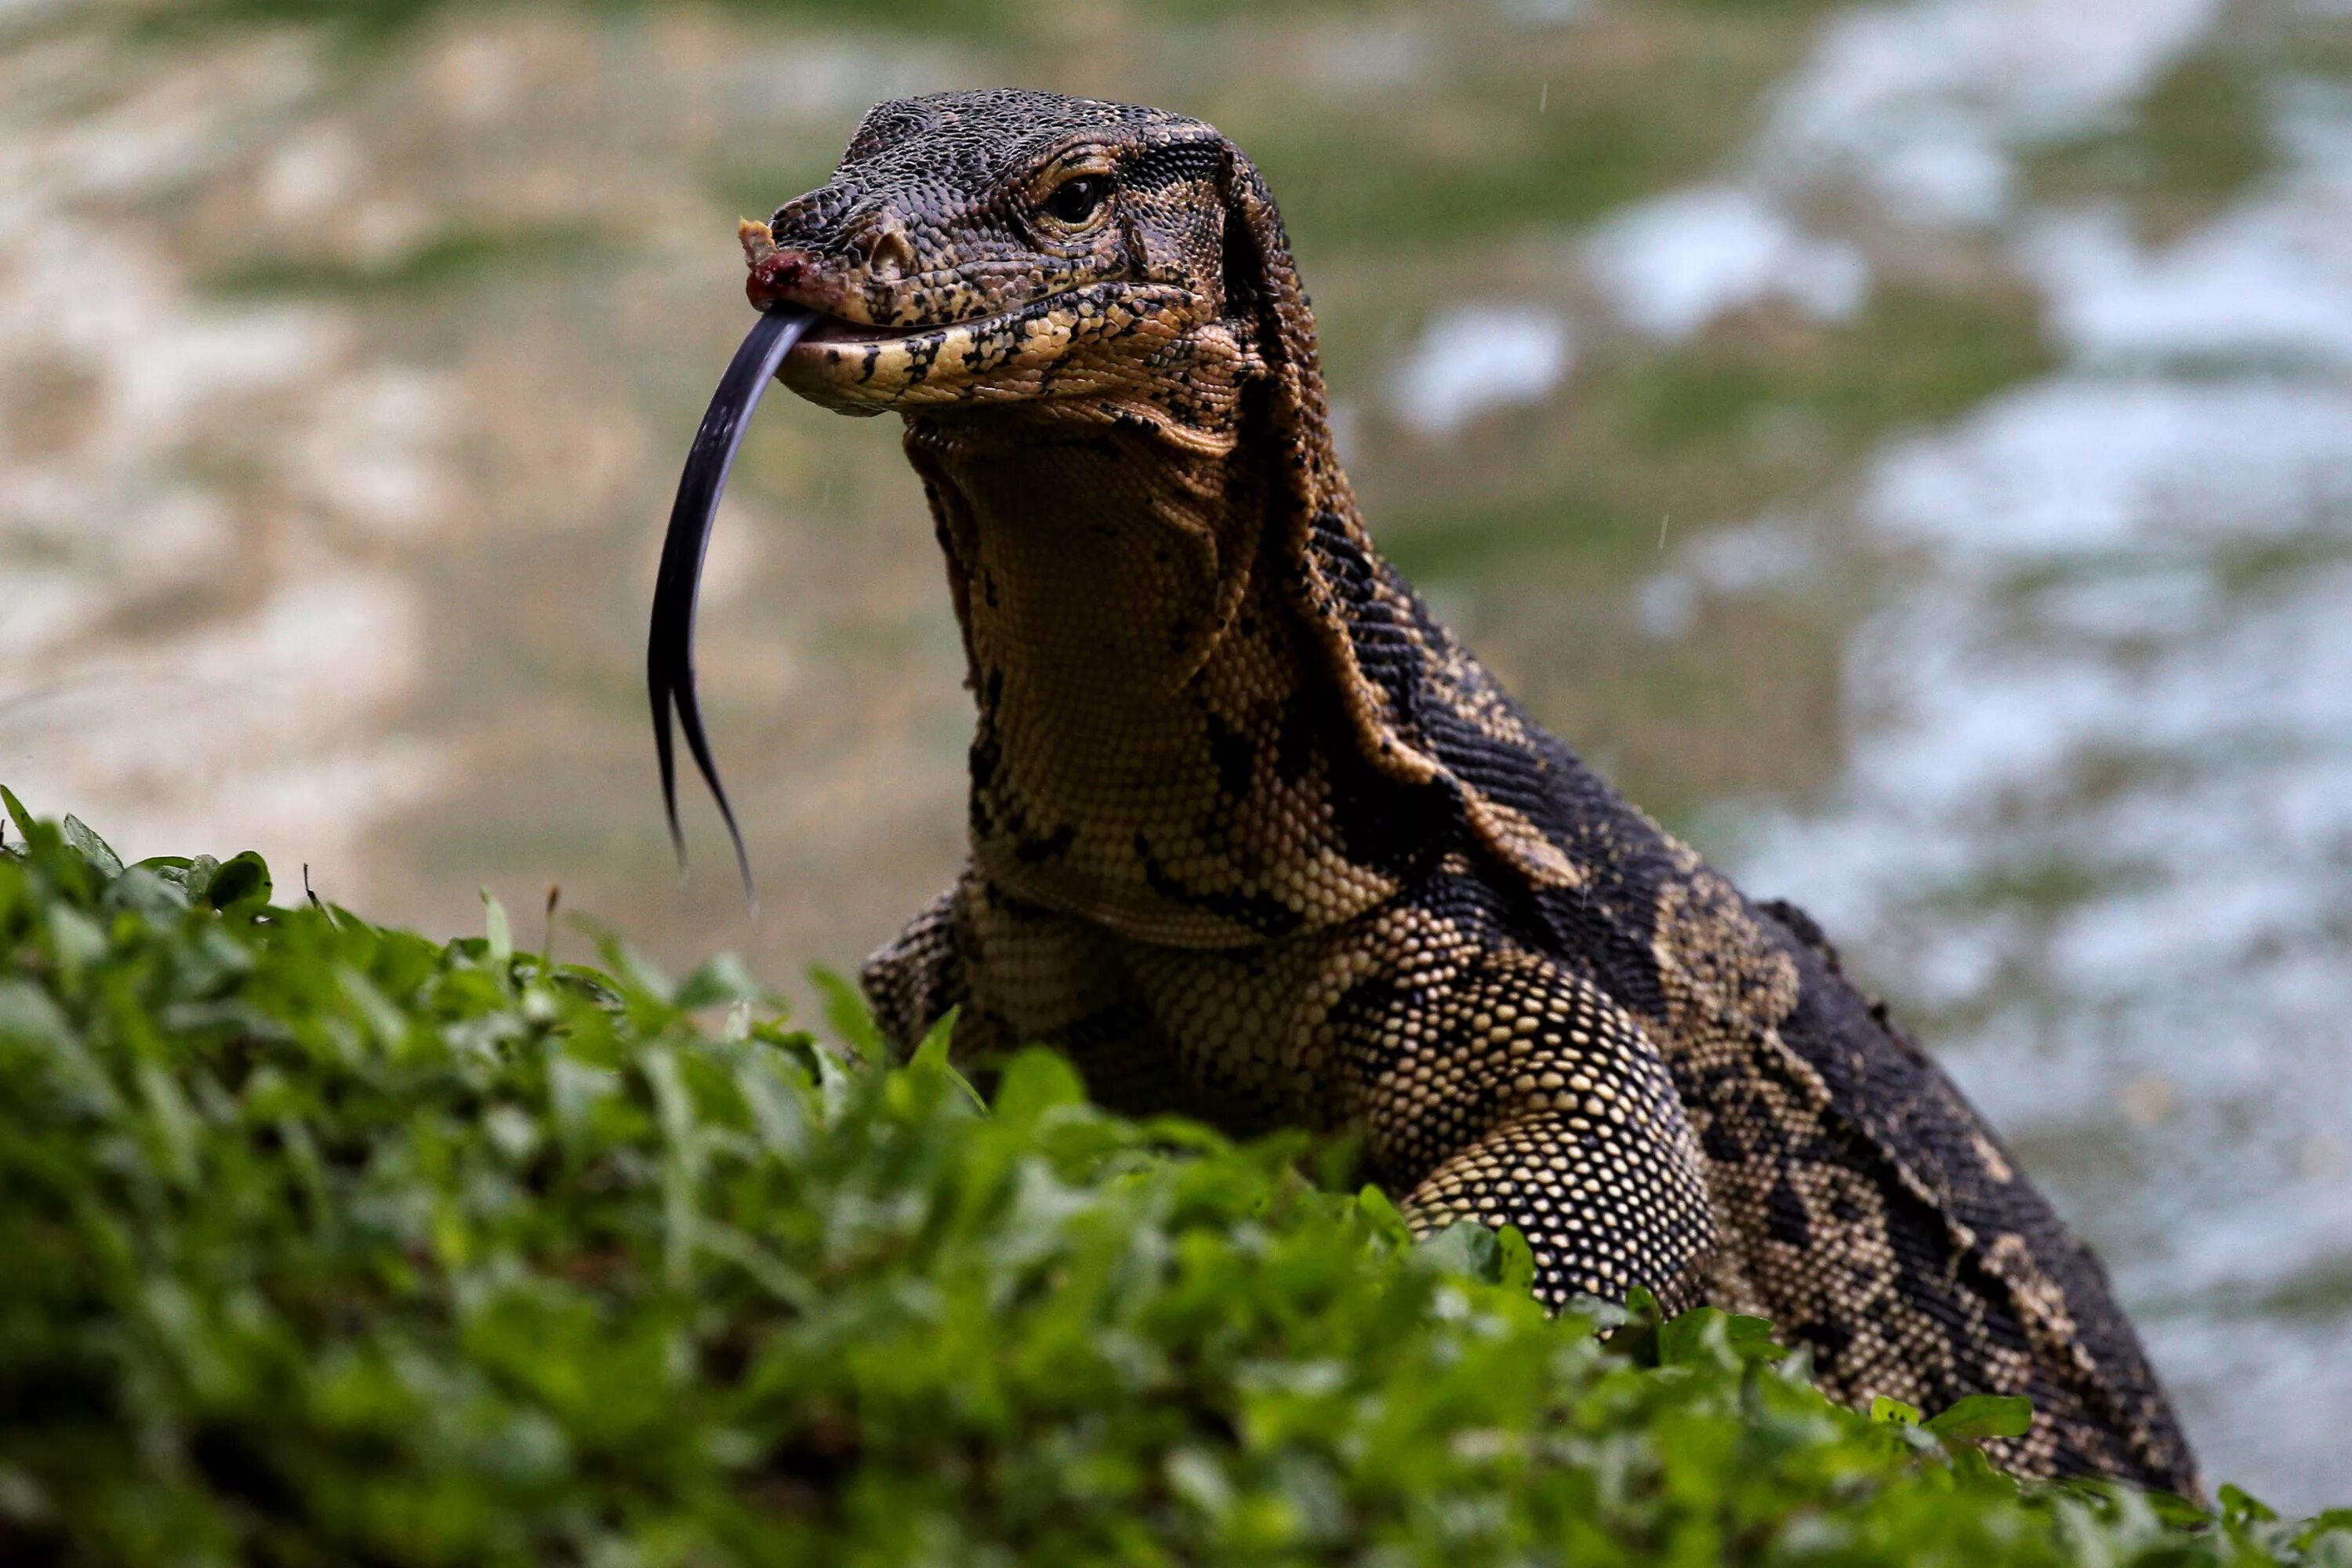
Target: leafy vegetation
x=326 y=1243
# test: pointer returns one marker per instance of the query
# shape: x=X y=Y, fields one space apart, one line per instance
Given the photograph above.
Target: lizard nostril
x=889 y=257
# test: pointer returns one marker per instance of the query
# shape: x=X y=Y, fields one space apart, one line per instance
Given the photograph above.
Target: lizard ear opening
x=1243 y=260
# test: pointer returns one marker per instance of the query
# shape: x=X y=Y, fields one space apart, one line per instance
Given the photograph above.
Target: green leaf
x=1751 y=1339
x=194 y=879
x=1516 y=1264
x=1033 y=1082
x=28 y=1013
x=1691 y=1338
x=932 y=1056
x=1710 y=1336
x=17 y=814
x=722 y=979
x=242 y=878
x=78 y=939
x=1637 y=1328
x=1894 y=1411
x=1386 y=1219
x=153 y=888
x=846 y=1015
x=1466 y=1249
x=1983 y=1416
x=497 y=931
x=91 y=847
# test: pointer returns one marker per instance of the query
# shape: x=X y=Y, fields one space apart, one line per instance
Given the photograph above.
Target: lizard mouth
x=1006 y=355
x=826 y=329
x=1000 y=356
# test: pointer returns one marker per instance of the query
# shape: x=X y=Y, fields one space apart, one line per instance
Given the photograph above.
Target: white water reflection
x=1922 y=102
x=2078 y=466
x=1672 y=265
x=2272 y=281
x=1476 y=358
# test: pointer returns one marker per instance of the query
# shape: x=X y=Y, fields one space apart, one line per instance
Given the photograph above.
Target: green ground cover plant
x=321 y=1242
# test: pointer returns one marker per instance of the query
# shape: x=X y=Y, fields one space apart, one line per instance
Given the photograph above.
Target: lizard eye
x=1077 y=201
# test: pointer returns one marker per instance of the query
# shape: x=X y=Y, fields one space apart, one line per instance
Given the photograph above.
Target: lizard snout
x=785 y=275
x=779 y=279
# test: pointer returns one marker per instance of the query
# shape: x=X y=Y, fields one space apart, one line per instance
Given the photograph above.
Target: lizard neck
x=1156 y=749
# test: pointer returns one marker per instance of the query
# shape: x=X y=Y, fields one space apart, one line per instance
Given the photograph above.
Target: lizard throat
x=1146 y=750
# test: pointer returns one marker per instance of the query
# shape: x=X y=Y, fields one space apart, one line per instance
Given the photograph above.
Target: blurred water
x=1475 y=359
x=2097 y=808
x=1673 y=263
x=1909 y=446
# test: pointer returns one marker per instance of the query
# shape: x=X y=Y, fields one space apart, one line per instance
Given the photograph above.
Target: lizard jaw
x=1007 y=354
x=1018 y=353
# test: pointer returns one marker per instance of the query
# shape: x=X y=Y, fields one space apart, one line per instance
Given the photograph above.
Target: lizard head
x=980 y=257
x=977 y=254
x=979 y=250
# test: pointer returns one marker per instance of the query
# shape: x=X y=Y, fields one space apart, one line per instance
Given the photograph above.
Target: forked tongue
x=669 y=651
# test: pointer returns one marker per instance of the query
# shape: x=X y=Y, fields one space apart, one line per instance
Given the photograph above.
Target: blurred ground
x=1909 y=447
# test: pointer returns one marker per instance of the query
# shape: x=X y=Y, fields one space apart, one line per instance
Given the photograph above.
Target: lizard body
x=1254 y=837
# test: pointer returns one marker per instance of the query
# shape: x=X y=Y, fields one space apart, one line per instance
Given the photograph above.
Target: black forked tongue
x=669 y=652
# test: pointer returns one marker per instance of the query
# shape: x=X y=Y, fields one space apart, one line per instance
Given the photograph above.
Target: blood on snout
x=776 y=278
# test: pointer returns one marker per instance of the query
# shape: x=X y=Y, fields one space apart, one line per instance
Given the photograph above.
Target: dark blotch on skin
x=1235 y=758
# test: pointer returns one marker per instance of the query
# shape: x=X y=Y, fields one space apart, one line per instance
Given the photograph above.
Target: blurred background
x=1907 y=446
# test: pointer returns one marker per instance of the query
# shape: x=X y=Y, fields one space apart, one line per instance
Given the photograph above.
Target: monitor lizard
x=1256 y=839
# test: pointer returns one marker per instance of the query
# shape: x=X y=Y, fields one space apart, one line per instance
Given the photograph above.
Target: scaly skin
x=1254 y=837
